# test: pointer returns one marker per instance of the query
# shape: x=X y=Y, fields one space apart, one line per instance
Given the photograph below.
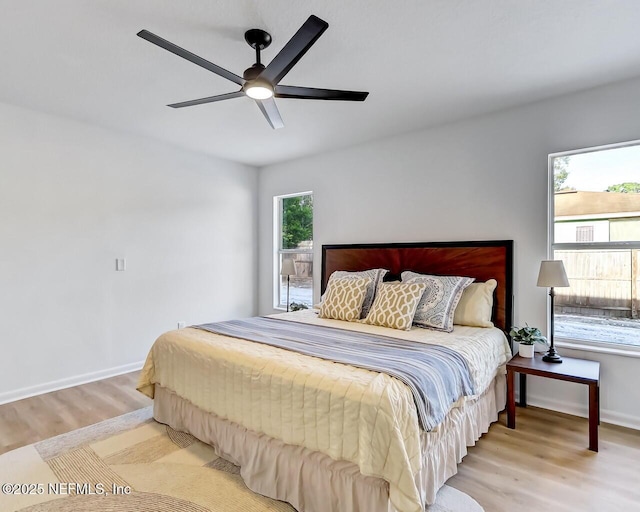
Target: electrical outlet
x=121 y=264
x=182 y=325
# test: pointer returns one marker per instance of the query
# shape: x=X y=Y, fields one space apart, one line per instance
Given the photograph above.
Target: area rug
x=134 y=464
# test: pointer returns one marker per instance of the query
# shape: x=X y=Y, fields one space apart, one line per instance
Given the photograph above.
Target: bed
x=328 y=436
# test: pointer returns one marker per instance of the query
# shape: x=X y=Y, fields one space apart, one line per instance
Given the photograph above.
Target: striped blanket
x=436 y=375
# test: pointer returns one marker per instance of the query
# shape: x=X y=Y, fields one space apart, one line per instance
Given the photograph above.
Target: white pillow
x=476 y=305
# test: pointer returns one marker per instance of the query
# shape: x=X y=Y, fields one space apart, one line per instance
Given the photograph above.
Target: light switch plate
x=121 y=264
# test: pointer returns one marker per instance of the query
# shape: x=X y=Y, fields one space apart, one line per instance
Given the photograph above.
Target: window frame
x=278 y=252
x=572 y=343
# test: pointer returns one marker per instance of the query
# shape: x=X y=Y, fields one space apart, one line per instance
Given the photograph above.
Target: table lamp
x=288 y=269
x=552 y=274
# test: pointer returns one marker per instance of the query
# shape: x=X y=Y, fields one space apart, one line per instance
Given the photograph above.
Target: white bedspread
x=347 y=413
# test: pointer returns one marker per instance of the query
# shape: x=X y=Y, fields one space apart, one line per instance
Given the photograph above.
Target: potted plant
x=297 y=306
x=527 y=337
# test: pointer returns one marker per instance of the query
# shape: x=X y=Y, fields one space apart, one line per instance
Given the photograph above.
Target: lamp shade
x=552 y=274
x=288 y=267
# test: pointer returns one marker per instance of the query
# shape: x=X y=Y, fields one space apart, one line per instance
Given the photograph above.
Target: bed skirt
x=312 y=481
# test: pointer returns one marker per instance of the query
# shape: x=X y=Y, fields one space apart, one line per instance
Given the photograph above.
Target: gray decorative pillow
x=375 y=274
x=439 y=301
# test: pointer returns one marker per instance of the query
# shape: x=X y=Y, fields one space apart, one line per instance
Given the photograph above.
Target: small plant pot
x=526 y=350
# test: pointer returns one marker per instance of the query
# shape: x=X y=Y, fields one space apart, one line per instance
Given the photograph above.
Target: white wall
x=482 y=178
x=74 y=197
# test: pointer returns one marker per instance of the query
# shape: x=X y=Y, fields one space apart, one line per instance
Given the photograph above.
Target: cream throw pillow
x=395 y=304
x=344 y=297
x=476 y=305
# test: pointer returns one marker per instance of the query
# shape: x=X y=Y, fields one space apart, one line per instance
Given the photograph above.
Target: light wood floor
x=543 y=465
x=40 y=417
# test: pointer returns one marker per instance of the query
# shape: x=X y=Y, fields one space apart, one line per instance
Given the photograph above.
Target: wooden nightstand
x=572 y=370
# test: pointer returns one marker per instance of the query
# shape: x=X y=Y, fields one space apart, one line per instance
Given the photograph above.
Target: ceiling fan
x=263 y=83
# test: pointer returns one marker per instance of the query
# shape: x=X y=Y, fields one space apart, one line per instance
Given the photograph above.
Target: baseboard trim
x=606 y=415
x=55 y=385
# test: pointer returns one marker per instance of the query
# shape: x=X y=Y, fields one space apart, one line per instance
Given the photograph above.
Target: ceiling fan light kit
x=258 y=90
x=261 y=83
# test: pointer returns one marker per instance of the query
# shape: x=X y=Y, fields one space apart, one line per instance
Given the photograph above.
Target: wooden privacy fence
x=603 y=283
x=304 y=264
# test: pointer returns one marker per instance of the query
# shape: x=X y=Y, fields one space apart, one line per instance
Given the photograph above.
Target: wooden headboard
x=483 y=260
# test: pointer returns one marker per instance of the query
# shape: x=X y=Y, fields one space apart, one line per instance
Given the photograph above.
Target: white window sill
x=598 y=346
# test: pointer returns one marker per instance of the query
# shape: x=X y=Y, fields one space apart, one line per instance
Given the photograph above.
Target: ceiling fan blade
x=293 y=51
x=311 y=93
x=191 y=57
x=208 y=99
x=270 y=111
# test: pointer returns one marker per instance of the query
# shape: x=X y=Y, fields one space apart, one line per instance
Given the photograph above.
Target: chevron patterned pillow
x=344 y=298
x=395 y=304
x=375 y=274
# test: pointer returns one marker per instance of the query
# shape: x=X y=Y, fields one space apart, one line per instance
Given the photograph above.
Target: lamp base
x=552 y=356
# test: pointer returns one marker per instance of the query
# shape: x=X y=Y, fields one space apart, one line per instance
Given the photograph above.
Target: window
x=294 y=240
x=595 y=207
x=584 y=233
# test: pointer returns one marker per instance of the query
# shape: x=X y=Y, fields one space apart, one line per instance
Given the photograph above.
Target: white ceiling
x=425 y=62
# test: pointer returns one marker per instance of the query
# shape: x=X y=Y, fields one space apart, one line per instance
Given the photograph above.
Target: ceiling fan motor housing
x=253 y=72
